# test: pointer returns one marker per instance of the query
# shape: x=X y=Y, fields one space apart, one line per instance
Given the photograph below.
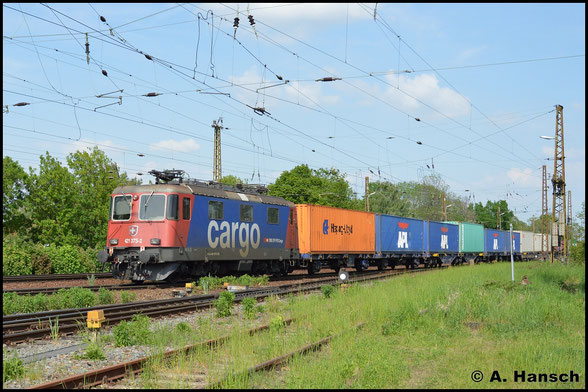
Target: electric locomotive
x=177 y=229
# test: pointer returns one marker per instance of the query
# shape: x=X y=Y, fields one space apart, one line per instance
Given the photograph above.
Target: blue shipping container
x=443 y=237
x=395 y=234
x=516 y=242
x=494 y=241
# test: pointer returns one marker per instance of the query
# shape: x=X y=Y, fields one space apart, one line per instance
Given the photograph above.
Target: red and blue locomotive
x=175 y=229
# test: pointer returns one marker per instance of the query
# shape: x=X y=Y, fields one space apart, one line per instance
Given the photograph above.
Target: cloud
x=424 y=88
x=522 y=177
x=187 y=145
x=469 y=53
x=306 y=93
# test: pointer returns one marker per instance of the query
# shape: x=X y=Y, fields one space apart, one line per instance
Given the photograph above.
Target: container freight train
x=176 y=229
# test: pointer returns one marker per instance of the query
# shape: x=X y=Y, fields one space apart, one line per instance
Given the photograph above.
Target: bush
x=211 y=282
x=40 y=259
x=40 y=302
x=328 y=290
x=9 y=303
x=141 y=329
x=89 y=259
x=134 y=332
x=78 y=297
x=182 y=327
x=105 y=297
x=58 y=300
x=122 y=334
x=126 y=297
x=68 y=260
x=12 y=368
x=276 y=324
x=93 y=352
x=16 y=259
x=224 y=304
x=249 y=307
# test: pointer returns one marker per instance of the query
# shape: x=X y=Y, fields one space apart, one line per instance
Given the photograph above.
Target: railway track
x=51 y=290
x=146 y=285
x=50 y=277
x=120 y=371
x=22 y=327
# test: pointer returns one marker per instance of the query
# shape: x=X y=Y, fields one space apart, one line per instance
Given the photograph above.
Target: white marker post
x=511 y=255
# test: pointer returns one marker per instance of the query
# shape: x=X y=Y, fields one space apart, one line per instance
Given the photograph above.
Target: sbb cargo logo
x=225 y=235
x=341 y=229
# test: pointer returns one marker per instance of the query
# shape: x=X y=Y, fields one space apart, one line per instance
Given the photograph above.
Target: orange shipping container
x=334 y=230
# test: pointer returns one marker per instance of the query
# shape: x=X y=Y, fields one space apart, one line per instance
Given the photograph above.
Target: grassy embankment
x=422 y=331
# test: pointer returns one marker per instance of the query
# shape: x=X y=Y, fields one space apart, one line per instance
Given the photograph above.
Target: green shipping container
x=471 y=237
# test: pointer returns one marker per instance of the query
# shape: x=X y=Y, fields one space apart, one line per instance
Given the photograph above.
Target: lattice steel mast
x=558 y=181
x=217 y=169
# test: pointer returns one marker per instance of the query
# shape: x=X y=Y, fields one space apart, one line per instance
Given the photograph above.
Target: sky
x=463 y=91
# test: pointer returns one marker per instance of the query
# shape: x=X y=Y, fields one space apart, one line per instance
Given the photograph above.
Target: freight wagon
x=443 y=243
x=400 y=241
x=471 y=241
x=335 y=237
x=539 y=247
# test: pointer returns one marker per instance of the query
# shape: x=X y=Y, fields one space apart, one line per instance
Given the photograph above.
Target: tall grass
x=427 y=330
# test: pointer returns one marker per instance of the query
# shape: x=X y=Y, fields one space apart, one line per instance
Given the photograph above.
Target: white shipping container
x=526 y=241
x=538 y=241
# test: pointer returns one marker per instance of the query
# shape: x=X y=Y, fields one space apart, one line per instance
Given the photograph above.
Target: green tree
x=94 y=178
x=50 y=200
x=487 y=215
x=460 y=209
x=70 y=204
x=388 y=198
x=303 y=185
x=14 y=180
x=232 y=180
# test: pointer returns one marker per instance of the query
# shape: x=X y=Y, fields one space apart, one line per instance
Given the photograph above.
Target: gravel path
x=63 y=365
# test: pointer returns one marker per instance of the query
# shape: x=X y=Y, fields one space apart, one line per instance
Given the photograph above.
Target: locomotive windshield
x=122 y=208
x=152 y=207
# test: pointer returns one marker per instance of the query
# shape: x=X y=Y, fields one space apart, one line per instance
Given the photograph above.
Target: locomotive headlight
x=113 y=241
x=155 y=241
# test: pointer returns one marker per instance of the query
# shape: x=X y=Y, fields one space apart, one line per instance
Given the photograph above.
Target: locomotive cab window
x=272 y=216
x=122 y=208
x=186 y=208
x=246 y=213
x=215 y=210
x=152 y=207
x=172 y=207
